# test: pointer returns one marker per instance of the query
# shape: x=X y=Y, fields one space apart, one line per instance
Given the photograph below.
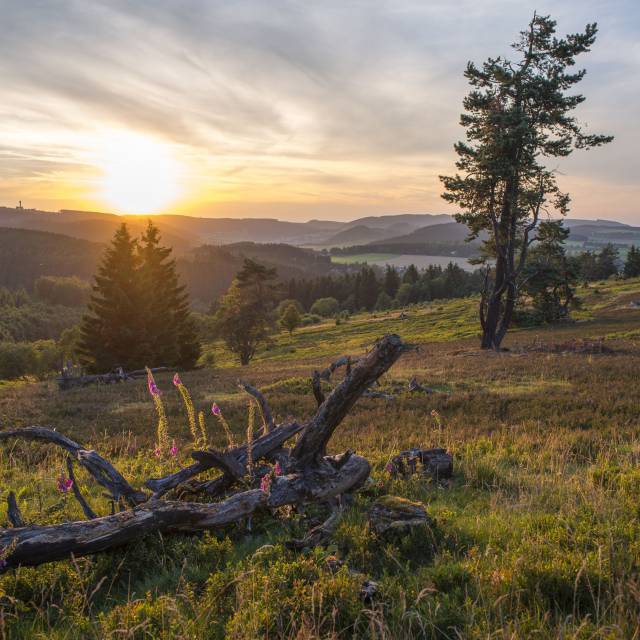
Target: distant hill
x=185 y=232
x=447 y=232
x=360 y=234
x=27 y=254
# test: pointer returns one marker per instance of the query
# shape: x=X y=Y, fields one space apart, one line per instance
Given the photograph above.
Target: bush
x=309 y=319
x=325 y=307
x=282 y=307
x=19 y=359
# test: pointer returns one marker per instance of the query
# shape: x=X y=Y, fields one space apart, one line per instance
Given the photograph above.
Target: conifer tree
x=516 y=115
x=171 y=336
x=114 y=324
x=632 y=263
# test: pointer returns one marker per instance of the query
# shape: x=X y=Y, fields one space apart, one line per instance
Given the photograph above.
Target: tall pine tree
x=111 y=330
x=171 y=336
x=139 y=313
x=517 y=115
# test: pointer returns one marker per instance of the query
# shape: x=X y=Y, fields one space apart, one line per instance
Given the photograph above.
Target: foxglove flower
x=153 y=389
x=265 y=483
x=64 y=484
x=215 y=409
x=389 y=468
x=157 y=452
x=174 y=450
x=278 y=469
x=176 y=380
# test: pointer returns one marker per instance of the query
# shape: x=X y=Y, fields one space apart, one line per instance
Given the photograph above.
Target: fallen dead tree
x=306 y=474
x=68 y=381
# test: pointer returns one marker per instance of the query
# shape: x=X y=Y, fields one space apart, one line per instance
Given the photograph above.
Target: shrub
x=325 y=307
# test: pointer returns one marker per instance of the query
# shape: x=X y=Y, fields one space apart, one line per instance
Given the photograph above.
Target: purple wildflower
x=153 y=389
x=265 y=483
x=64 y=484
x=389 y=468
x=176 y=380
x=157 y=452
x=174 y=450
x=278 y=469
x=215 y=409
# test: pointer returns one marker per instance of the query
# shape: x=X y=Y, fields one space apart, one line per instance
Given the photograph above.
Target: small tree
x=516 y=115
x=384 y=301
x=291 y=318
x=632 y=263
x=243 y=320
x=607 y=262
x=548 y=277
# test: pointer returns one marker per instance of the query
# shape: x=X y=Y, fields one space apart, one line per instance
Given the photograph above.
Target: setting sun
x=139 y=174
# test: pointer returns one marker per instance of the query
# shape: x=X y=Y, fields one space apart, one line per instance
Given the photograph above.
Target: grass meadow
x=537 y=536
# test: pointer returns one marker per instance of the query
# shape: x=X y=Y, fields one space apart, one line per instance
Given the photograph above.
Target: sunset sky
x=295 y=110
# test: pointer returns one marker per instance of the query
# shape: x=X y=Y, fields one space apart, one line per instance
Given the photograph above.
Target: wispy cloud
x=351 y=102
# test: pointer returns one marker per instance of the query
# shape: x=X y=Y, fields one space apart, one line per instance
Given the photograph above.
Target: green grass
x=538 y=535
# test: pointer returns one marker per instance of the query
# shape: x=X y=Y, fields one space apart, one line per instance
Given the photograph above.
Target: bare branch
x=86 y=509
x=269 y=424
x=13 y=511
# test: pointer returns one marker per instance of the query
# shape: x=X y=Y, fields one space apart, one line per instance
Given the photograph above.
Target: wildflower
x=153 y=389
x=174 y=450
x=434 y=413
x=265 y=483
x=163 y=425
x=199 y=439
x=250 y=419
x=389 y=468
x=217 y=412
x=64 y=484
x=277 y=469
x=157 y=452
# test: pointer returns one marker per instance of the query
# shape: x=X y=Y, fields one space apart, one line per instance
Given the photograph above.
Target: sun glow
x=139 y=174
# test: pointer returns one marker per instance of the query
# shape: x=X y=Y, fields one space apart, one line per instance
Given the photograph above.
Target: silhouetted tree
x=113 y=329
x=515 y=115
x=243 y=320
x=391 y=281
x=171 y=336
x=632 y=263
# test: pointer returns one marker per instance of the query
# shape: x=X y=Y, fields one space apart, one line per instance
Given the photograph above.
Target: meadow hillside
x=536 y=536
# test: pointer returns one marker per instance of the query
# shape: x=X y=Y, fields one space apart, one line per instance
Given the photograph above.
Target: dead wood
x=310 y=477
x=13 y=511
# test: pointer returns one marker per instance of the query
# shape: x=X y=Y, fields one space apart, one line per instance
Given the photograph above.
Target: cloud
x=290 y=98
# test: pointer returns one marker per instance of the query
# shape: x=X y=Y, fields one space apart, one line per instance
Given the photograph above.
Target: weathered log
x=331 y=412
x=13 y=511
x=102 y=470
x=262 y=447
x=311 y=478
x=36 y=545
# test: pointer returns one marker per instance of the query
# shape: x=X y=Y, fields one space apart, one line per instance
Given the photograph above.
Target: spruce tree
x=632 y=263
x=114 y=324
x=170 y=333
x=517 y=115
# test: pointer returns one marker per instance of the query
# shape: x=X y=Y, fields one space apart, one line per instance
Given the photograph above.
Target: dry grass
x=537 y=537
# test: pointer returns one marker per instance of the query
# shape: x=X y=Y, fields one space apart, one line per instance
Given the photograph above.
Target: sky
x=294 y=110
